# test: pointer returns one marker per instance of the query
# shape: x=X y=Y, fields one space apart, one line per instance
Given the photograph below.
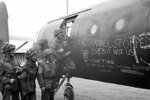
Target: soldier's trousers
x=7 y=95
x=29 y=96
x=47 y=95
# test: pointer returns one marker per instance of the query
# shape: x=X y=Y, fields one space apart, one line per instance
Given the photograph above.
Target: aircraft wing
x=4 y=34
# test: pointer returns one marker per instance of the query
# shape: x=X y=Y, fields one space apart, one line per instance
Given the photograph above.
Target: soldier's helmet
x=30 y=53
x=58 y=32
x=42 y=42
x=47 y=52
x=7 y=48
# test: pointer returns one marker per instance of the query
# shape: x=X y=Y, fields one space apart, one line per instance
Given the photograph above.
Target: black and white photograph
x=74 y=49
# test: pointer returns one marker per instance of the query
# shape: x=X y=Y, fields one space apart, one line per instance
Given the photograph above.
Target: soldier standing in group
x=63 y=52
x=8 y=73
x=44 y=44
x=47 y=75
x=28 y=76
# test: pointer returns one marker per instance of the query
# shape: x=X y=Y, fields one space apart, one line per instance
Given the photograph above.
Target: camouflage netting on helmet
x=7 y=48
x=43 y=41
x=57 y=32
x=30 y=53
x=43 y=44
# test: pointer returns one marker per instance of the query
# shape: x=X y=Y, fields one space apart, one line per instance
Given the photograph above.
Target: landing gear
x=68 y=92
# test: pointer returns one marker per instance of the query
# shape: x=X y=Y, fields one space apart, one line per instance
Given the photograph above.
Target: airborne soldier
x=44 y=44
x=47 y=75
x=8 y=73
x=63 y=52
x=28 y=76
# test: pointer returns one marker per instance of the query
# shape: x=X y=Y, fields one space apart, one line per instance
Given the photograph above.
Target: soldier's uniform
x=63 y=52
x=8 y=75
x=28 y=76
x=47 y=75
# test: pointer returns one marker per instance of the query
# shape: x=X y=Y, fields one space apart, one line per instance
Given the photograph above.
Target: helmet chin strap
x=32 y=60
x=8 y=57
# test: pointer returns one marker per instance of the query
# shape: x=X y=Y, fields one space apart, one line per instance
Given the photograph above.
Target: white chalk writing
x=141 y=40
x=97 y=50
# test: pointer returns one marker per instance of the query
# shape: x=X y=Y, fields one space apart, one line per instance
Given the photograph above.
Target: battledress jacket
x=64 y=57
x=47 y=75
x=8 y=71
x=28 y=77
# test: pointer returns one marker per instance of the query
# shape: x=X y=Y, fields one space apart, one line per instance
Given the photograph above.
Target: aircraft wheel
x=68 y=92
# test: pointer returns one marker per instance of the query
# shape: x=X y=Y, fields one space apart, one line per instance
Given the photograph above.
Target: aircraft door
x=76 y=49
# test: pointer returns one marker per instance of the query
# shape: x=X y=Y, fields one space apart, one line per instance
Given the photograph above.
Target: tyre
x=68 y=92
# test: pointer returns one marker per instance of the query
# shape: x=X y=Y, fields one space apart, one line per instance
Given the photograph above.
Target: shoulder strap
x=41 y=66
x=27 y=72
x=1 y=68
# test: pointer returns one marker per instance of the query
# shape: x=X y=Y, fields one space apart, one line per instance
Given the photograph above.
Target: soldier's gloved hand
x=12 y=80
x=19 y=77
x=43 y=89
x=61 y=50
x=68 y=53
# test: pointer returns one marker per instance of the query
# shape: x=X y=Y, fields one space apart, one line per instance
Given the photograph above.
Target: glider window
x=68 y=23
x=94 y=29
x=69 y=28
x=120 y=24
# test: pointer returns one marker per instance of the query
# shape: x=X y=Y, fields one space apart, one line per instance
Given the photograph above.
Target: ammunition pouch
x=8 y=87
x=15 y=86
x=55 y=84
x=51 y=84
x=48 y=84
x=23 y=87
x=30 y=86
x=12 y=87
x=29 y=83
x=24 y=93
x=1 y=87
x=49 y=75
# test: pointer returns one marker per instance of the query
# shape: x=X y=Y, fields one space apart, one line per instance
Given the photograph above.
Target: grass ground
x=95 y=90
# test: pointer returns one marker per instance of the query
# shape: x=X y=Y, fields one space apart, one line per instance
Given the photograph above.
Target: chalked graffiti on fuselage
x=119 y=51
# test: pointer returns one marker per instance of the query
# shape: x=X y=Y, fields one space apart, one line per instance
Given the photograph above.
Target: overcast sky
x=26 y=17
